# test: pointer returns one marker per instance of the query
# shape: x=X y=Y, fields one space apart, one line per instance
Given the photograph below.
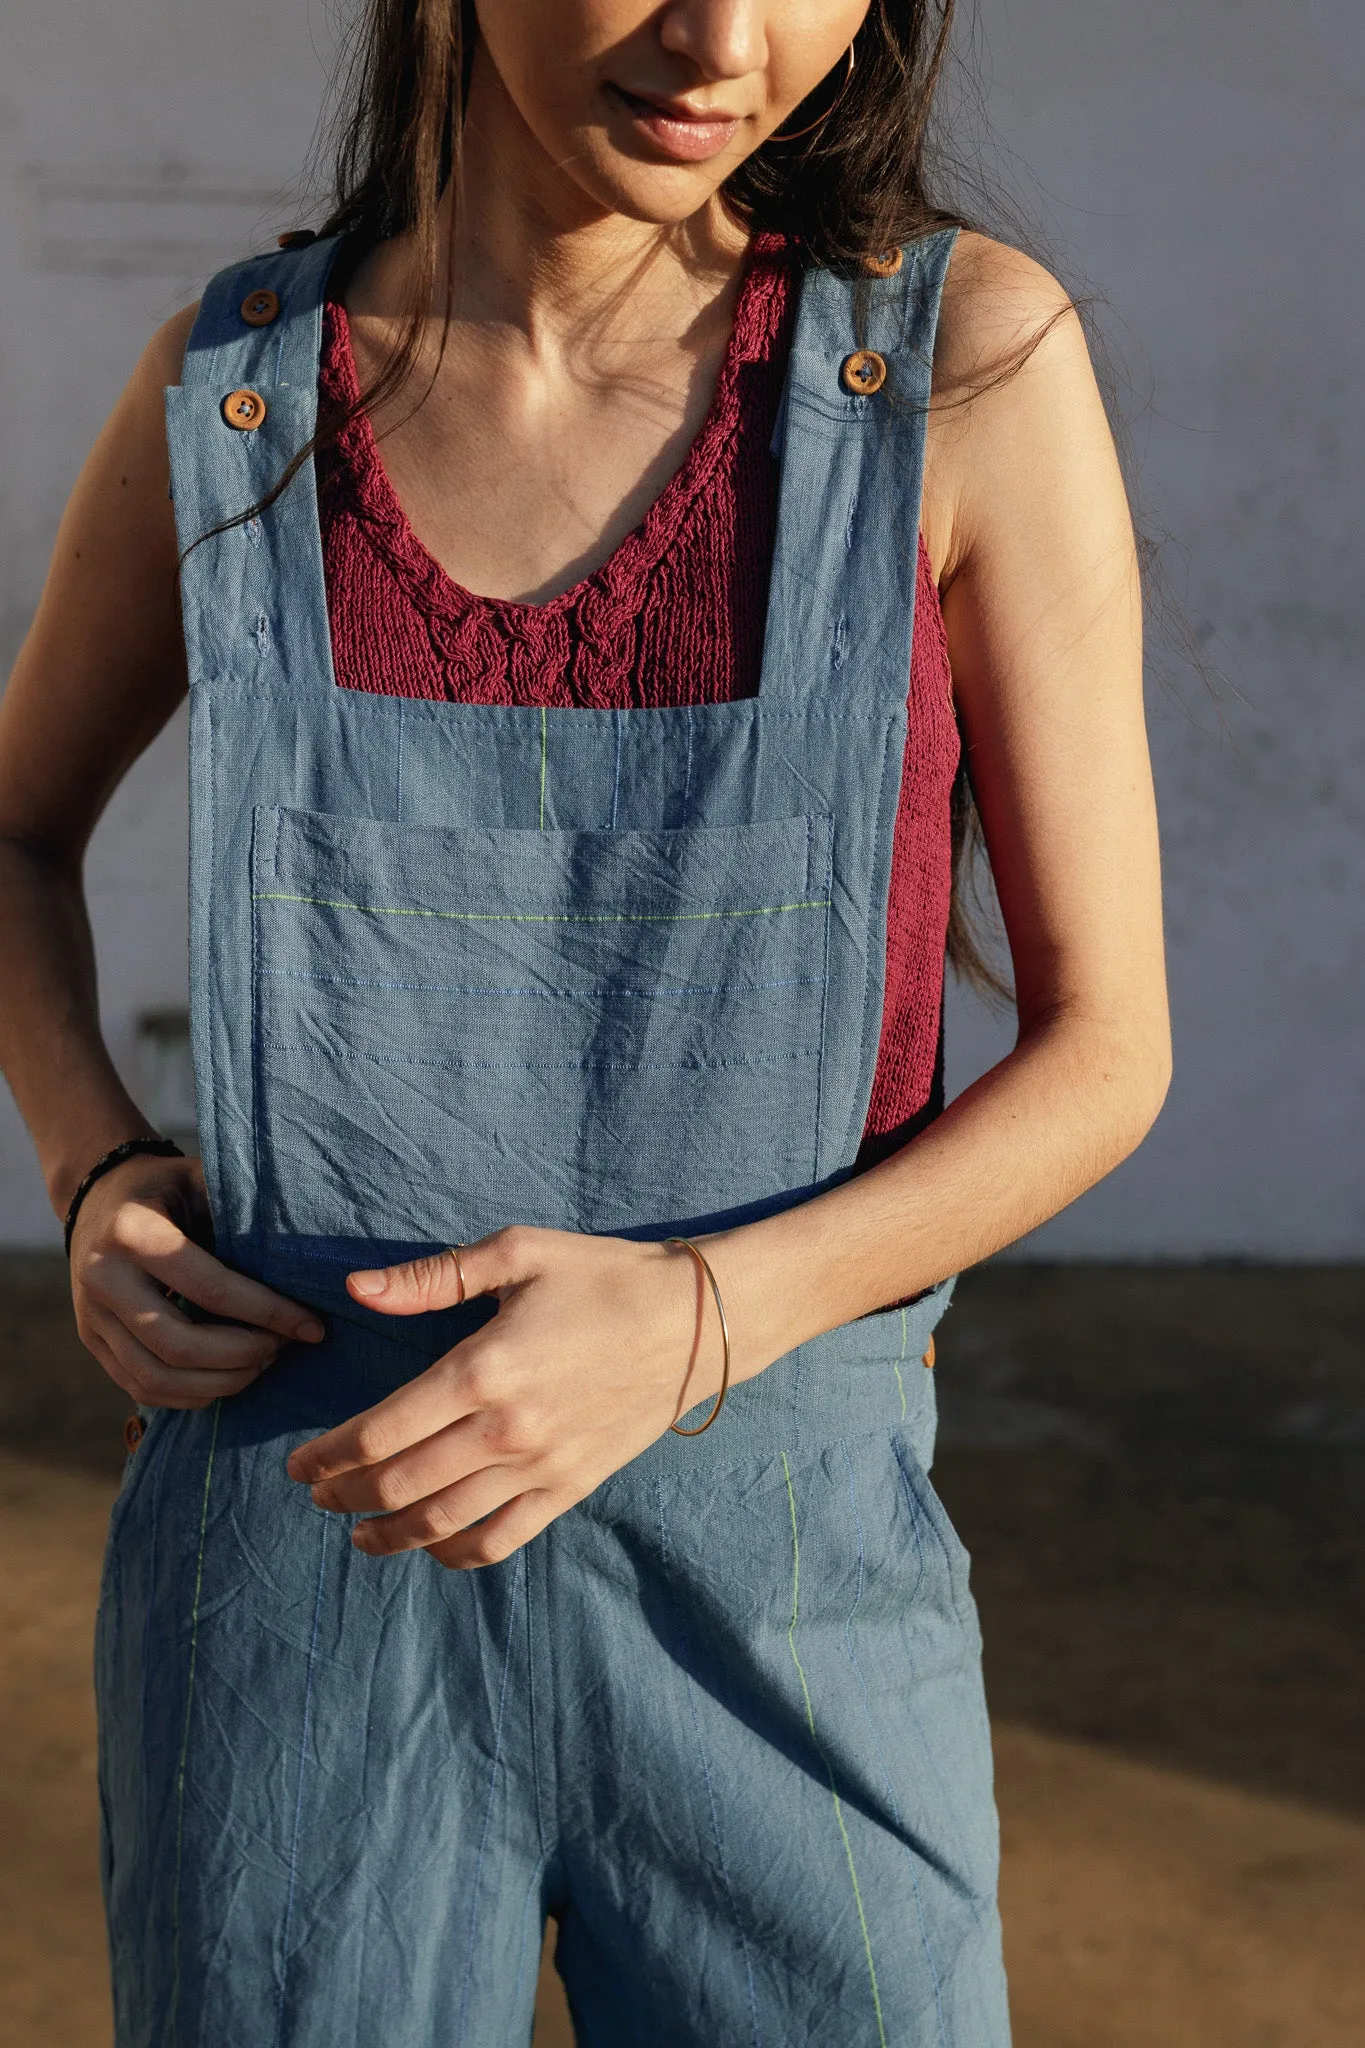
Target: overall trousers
x=454 y=967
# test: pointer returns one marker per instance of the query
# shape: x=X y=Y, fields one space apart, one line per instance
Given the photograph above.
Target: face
x=647 y=109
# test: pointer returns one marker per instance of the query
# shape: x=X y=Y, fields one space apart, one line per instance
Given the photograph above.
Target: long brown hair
x=858 y=181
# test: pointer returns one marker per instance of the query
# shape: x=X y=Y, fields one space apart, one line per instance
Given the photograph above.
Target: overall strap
x=851 y=437
x=253 y=596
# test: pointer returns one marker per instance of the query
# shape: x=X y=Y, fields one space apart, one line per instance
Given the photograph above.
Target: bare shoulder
x=102 y=666
x=118 y=519
x=1016 y=410
x=999 y=307
x=162 y=361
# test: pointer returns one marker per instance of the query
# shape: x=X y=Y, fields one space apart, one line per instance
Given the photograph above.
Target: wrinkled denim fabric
x=457 y=966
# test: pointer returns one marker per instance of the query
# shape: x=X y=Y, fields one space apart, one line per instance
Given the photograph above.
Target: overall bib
x=457 y=966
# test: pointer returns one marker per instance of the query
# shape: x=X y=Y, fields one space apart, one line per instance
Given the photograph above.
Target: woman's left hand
x=599 y=1344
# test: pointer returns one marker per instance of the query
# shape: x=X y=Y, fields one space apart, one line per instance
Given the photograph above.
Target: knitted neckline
x=601 y=597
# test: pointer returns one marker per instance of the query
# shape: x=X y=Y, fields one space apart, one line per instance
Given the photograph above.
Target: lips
x=682 y=133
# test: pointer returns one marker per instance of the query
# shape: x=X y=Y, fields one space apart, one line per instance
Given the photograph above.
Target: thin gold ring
x=455 y=1250
x=686 y=1244
x=797 y=133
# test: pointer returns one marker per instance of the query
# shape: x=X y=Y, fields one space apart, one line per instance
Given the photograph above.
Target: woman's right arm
x=101 y=672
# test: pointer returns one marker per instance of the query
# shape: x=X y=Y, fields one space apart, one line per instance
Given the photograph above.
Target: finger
x=155 y=1385
x=438 y=1461
x=138 y=1303
x=438 y=1517
x=185 y=1267
x=504 y=1532
x=417 y=1286
x=430 y=1403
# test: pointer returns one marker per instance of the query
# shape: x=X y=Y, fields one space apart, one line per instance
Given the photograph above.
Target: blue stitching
x=488 y=1804
x=687 y=776
x=616 y=779
x=400 y=763
x=824 y=1000
x=441 y=988
x=457 y=1065
x=690 y=1689
x=303 y=1766
x=881 y=1754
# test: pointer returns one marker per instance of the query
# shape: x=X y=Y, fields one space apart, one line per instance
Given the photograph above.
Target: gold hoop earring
x=797 y=133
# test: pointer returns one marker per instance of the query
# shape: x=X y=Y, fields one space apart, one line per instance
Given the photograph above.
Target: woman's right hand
x=139 y=1238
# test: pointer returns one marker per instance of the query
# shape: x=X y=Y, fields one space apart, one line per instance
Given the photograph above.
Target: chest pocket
x=460 y=1028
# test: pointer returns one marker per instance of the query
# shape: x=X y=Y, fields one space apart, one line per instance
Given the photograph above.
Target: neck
x=531 y=254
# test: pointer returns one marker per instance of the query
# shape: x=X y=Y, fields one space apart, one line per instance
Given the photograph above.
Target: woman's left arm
x=599 y=1344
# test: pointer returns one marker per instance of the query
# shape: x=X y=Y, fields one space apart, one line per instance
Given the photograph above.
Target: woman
x=572 y=771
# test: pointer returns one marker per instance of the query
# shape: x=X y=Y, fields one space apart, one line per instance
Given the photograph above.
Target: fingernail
x=363 y=1540
x=311 y=1332
x=369 y=1283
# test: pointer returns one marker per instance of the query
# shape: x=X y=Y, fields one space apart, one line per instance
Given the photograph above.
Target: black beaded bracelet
x=156 y=1148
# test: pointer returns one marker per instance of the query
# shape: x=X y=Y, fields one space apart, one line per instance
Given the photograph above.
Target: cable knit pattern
x=675 y=615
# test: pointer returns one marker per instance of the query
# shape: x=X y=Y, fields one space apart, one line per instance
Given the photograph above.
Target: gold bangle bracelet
x=686 y=1244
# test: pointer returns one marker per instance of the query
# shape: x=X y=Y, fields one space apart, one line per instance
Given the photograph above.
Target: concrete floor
x=1160 y=1473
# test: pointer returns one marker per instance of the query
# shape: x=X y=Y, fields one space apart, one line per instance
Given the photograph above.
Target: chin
x=661 y=195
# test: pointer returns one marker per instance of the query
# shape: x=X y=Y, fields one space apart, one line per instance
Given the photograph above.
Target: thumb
x=417 y=1286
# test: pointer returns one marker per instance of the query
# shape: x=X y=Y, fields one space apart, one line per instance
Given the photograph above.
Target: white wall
x=1202 y=164
x=142 y=145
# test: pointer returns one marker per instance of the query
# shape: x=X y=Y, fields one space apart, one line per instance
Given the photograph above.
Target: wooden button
x=295 y=238
x=864 y=372
x=259 y=308
x=885 y=265
x=244 y=410
x=134 y=1429
x=930 y=1355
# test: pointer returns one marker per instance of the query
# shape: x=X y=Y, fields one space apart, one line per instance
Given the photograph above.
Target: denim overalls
x=611 y=971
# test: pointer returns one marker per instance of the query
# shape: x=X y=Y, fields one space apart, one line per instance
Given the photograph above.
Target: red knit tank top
x=674 y=616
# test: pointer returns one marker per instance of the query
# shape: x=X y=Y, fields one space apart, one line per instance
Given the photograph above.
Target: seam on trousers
x=256 y=1027
x=690 y=1688
x=897 y=1363
x=881 y=1754
x=820 y=1752
x=153 y=1558
x=185 y=1738
x=533 y=1891
x=518 y=1580
x=824 y=1003
x=916 y=1519
x=303 y=1767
